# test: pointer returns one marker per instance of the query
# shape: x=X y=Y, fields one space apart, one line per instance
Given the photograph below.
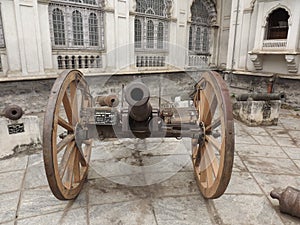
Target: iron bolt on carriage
x=71 y=122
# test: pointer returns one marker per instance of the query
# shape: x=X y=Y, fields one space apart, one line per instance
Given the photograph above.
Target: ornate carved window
x=152 y=24
x=199 y=33
x=77 y=24
x=277 y=25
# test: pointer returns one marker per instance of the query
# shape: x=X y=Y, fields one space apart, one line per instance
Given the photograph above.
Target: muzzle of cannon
x=13 y=112
x=137 y=96
x=289 y=200
x=109 y=100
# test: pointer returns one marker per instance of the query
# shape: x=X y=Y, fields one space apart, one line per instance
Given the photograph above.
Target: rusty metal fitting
x=13 y=112
x=289 y=200
x=109 y=100
x=261 y=96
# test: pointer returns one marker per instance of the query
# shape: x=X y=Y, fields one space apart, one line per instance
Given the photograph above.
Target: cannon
x=74 y=118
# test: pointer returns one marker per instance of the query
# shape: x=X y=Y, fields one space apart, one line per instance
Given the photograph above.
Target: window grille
x=198 y=39
x=74 y=26
x=2 y=42
x=93 y=30
x=58 y=27
x=150 y=34
x=151 y=25
x=199 y=33
x=77 y=28
x=154 y=7
x=191 y=39
x=138 y=33
x=277 y=24
x=160 y=36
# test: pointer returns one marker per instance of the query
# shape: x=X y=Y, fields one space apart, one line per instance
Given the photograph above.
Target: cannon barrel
x=137 y=96
x=289 y=200
x=261 y=96
x=108 y=100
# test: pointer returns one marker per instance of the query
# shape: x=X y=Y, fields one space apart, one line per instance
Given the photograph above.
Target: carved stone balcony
x=279 y=44
x=199 y=61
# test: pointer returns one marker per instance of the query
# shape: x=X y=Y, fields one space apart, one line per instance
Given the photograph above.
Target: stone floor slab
x=35 y=175
x=246 y=210
x=260 y=151
x=41 y=201
x=242 y=183
x=286 y=142
x=189 y=210
x=125 y=213
x=67 y=217
x=12 y=164
x=271 y=165
x=8 y=206
x=238 y=165
x=265 y=140
x=11 y=181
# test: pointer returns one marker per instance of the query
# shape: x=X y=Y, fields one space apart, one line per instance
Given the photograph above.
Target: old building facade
x=264 y=38
x=40 y=38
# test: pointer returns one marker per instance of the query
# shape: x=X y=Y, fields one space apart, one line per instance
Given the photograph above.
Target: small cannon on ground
x=73 y=120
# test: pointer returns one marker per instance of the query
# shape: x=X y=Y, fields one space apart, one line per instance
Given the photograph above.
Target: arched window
x=199 y=33
x=198 y=39
x=93 y=30
x=277 y=24
x=205 y=45
x=160 y=35
x=138 y=33
x=191 y=39
x=77 y=28
x=154 y=7
x=150 y=34
x=151 y=24
x=58 y=27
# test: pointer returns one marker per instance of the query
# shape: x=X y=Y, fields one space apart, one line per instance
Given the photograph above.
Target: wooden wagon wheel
x=213 y=151
x=66 y=157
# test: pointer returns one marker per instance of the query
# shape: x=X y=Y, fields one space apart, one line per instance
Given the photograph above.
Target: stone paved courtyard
x=265 y=158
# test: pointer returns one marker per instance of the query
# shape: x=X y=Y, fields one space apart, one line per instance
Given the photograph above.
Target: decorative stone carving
x=292 y=63
x=169 y=4
x=257 y=61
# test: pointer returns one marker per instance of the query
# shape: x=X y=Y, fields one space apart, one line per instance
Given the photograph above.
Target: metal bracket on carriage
x=289 y=200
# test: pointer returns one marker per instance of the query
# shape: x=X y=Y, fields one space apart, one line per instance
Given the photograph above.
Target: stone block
x=257 y=113
x=19 y=135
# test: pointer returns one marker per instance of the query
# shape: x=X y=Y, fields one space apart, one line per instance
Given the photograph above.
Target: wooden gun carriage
x=72 y=121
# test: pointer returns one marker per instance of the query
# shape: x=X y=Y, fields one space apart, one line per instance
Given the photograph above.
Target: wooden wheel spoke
x=212 y=110
x=196 y=155
x=74 y=102
x=63 y=143
x=216 y=123
x=65 y=159
x=67 y=106
x=65 y=124
x=70 y=170
x=211 y=140
x=77 y=167
x=81 y=156
x=212 y=159
x=204 y=106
